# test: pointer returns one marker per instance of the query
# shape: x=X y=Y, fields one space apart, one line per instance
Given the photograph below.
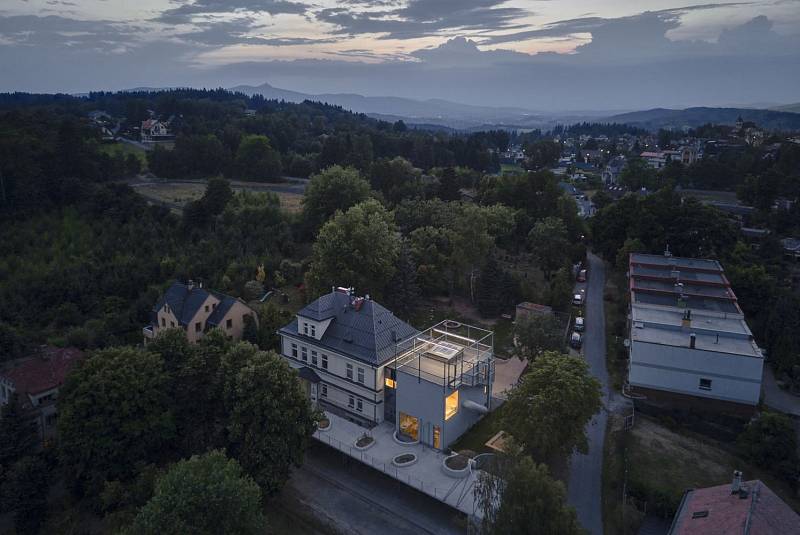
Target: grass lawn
x=478 y=435
x=113 y=149
x=180 y=193
x=662 y=463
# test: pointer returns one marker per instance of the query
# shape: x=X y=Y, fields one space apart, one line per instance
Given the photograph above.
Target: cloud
x=54 y=30
x=241 y=31
x=186 y=12
x=420 y=18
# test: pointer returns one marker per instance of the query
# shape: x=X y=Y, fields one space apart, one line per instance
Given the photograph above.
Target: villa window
x=163 y=322
x=198 y=326
x=206 y=308
x=314 y=358
x=314 y=331
x=229 y=323
x=705 y=384
x=294 y=350
x=305 y=353
x=305 y=329
x=360 y=406
x=391 y=383
x=351 y=401
x=451 y=405
x=172 y=324
x=324 y=391
x=349 y=371
x=324 y=361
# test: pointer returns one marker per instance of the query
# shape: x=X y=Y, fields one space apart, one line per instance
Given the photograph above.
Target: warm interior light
x=391 y=383
x=451 y=405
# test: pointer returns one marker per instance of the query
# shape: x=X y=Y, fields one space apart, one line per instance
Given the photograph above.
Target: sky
x=542 y=55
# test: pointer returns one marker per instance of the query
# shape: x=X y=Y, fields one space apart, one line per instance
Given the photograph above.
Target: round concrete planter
x=456 y=472
x=406 y=459
x=365 y=446
x=404 y=441
x=450 y=324
x=325 y=428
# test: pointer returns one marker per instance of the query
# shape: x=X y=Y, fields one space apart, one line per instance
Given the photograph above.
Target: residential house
x=358 y=360
x=689 y=343
x=196 y=310
x=655 y=159
x=740 y=508
x=613 y=170
x=37 y=380
x=155 y=131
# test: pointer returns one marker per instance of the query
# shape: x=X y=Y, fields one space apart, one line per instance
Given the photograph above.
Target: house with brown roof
x=37 y=380
x=197 y=310
x=743 y=507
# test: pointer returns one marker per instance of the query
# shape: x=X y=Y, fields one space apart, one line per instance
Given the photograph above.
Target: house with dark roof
x=740 y=508
x=196 y=310
x=359 y=361
x=37 y=380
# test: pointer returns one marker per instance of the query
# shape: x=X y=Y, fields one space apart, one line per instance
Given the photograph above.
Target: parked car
x=582 y=275
x=575 y=340
x=580 y=326
x=577 y=299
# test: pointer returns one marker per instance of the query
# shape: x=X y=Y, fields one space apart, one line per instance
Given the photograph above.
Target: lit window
x=359 y=405
x=390 y=383
x=409 y=426
x=349 y=371
x=325 y=361
x=304 y=351
x=361 y=375
x=451 y=405
x=705 y=384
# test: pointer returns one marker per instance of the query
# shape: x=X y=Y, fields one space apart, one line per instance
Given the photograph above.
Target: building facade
x=688 y=336
x=359 y=361
x=196 y=310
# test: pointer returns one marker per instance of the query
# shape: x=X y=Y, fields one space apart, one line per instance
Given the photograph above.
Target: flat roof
x=687 y=288
x=717 y=334
x=690 y=301
x=662 y=273
x=676 y=261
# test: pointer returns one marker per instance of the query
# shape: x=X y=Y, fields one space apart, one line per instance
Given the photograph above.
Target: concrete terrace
x=426 y=475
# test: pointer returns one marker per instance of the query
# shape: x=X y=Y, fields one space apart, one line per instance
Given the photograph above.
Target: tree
x=356 y=248
x=17 y=433
x=270 y=419
x=552 y=404
x=335 y=188
x=257 y=160
x=522 y=498
x=538 y=333
x=114 y=411
x=24 y=492
x=770 y=442
x=397 y=179
x=637 y=174
x=449 y=187
x=549 y=245
x=405 y=292
x=490 y=289
x=206 y=495
x=218 y=193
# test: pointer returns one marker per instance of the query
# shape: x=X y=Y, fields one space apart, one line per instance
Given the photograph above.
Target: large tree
x=770 y=441
x=549 y=245
x=257 y=160
x=335 y=188
x=23 y=492
x=538 y=333
x=520 y=497
x=205 y=495
x=549 y=409
x=17 y=432
x=270 y=419
x=114 y=412
x=356 y=248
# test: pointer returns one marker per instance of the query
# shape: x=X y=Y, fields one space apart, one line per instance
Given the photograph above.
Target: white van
x=580 y=326
x=577 y=299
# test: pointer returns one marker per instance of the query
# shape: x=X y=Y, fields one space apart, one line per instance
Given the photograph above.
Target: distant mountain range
x=693 y=117
x=791 y=108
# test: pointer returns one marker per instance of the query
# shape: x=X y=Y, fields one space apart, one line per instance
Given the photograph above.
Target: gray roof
x=368 y=332
x=225 y=304
x=185 y=301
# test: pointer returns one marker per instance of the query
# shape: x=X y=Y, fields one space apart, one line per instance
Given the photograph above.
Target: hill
x=791 y=108
x=693 y=117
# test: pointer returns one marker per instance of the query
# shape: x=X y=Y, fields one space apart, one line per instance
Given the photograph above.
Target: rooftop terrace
x=692 y=302
x=676 y=261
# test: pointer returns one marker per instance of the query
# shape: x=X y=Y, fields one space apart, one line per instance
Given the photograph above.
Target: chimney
x=692 y=340
x=190 y=284
x=737 y=482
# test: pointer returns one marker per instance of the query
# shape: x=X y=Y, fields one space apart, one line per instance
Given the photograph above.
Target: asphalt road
x=584 y=489
x=352 y=498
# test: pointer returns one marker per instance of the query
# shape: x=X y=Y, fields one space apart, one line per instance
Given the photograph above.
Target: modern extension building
x=196 y=310
x=361 y=362
x=688 y=337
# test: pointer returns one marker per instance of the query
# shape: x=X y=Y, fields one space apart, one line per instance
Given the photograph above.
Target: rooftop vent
x=692 y=340
x=700 y=514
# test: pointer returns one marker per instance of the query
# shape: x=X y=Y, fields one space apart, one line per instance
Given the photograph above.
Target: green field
x=113 y=149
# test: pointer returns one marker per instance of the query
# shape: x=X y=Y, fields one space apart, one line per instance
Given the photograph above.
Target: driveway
x=584 y=488
x=777 y=398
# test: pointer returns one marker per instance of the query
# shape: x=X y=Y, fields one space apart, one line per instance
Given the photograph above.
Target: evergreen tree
x=403 y=291
x=490 y=289
x=24 y=493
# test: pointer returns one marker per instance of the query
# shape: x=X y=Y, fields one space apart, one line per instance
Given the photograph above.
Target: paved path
x=584 y=489
x=354 y=499
x=777 y=398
